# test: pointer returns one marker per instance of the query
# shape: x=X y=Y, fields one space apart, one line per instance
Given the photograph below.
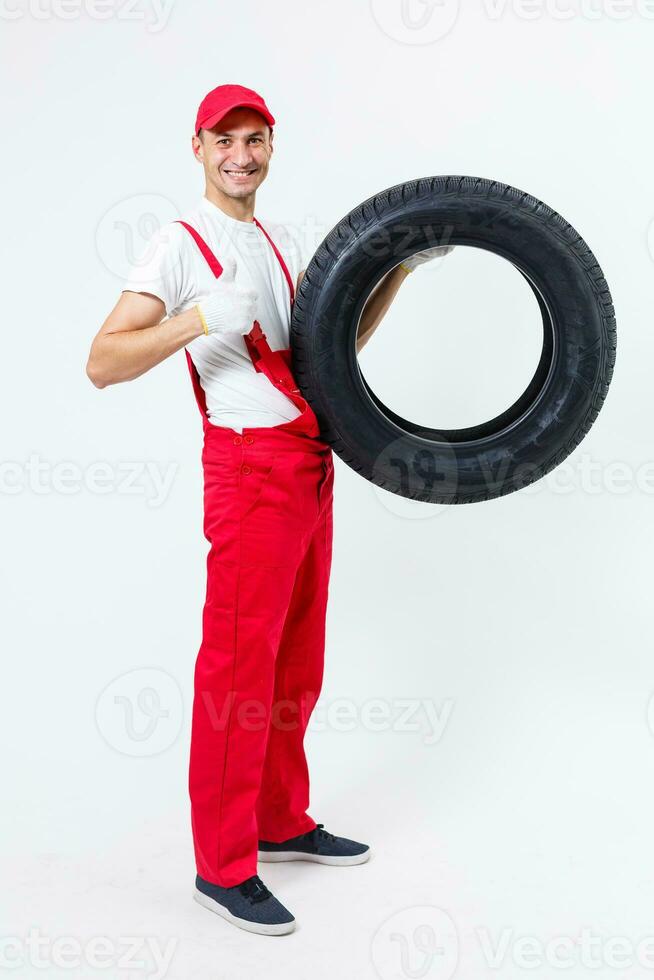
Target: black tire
x=544 y=424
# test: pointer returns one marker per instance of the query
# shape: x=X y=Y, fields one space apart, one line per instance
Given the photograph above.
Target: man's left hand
x=427 y=255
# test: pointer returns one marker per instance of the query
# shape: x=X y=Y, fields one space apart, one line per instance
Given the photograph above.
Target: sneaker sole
x=262 y=928
x=345 y=861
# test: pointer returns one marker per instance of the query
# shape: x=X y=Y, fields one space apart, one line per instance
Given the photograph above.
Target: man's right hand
x=230 y=308
x=135 y=338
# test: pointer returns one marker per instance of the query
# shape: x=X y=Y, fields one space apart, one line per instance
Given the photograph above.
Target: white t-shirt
x=173 y=268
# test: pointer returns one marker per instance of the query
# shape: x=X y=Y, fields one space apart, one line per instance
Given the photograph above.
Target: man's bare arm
x=378 y=303
x=135 y=338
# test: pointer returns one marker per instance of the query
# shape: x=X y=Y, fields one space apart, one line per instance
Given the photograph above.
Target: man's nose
x=242 y=157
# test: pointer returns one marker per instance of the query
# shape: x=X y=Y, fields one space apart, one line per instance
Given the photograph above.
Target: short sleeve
x=161 y=268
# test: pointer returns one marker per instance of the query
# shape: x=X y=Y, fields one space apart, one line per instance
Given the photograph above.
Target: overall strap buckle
x=256 y=334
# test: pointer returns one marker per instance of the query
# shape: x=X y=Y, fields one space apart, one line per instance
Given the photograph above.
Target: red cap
x=221 y=100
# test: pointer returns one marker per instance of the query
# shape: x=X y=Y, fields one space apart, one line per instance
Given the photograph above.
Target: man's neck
x=241 y=209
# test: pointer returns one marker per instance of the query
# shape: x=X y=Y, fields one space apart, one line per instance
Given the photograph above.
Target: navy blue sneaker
x=249 y=906
x=316 y=845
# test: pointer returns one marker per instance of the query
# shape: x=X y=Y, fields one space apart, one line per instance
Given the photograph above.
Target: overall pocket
x=253 y=476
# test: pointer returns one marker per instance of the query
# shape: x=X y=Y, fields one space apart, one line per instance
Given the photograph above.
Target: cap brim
x=212 y=121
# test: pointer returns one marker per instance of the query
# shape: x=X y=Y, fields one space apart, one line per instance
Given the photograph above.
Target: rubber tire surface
x=562 y=400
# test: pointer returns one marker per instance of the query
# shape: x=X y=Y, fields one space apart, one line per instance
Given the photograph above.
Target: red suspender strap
x=280 y=260
x=256 y=335
x=217 y=269
x=207 y=254
x=200 y=396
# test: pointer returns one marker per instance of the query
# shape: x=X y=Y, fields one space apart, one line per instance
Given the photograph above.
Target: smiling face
x=235 y=155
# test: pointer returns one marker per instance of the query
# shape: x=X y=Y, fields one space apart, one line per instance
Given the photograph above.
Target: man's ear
x=196 y=146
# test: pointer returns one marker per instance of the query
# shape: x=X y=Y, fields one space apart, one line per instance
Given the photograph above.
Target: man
x=218 y=284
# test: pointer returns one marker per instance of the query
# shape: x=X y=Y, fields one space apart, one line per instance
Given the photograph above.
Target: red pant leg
x=262 y=505
x=284 y=794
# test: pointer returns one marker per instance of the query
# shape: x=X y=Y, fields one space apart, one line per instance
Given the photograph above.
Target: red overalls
x=268 y=519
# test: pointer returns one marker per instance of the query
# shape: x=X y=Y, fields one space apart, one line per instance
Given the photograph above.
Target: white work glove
x=230 y=308
x=426 y=256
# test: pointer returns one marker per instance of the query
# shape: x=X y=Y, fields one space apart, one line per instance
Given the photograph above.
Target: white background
x=522 y=622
